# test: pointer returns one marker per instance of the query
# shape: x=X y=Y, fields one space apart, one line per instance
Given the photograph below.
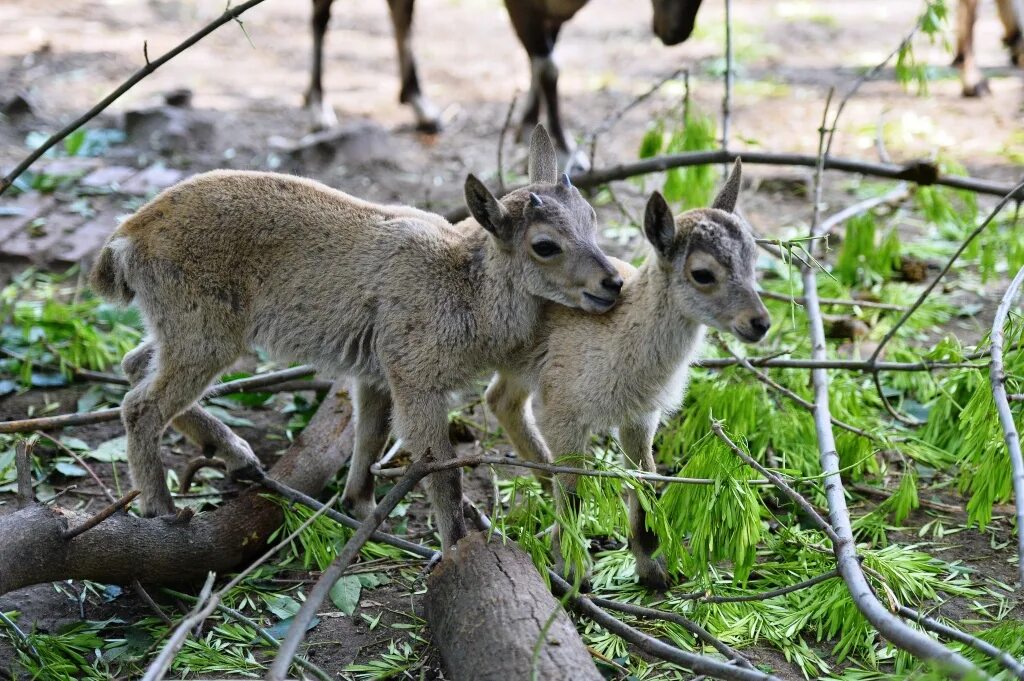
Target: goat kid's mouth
x=747 y=336
x=592 y=303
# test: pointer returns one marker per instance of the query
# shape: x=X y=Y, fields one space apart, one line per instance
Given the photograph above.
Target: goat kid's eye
x=546 y=249
x=703 y=277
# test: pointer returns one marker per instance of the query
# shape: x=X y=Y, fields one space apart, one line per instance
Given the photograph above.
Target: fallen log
x=487 y=608
x=172 y=550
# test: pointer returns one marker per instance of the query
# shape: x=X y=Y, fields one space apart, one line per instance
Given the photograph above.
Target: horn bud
x=535 y=200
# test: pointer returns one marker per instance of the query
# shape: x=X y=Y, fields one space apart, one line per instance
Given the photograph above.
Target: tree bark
x=170 y=550
x=487 y=607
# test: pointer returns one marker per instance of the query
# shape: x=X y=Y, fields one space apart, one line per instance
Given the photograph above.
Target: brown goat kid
x=407 y=304
x=625 y=369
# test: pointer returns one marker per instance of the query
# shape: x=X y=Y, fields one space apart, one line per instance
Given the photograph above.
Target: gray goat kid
x=407 y=304
x=627 y=368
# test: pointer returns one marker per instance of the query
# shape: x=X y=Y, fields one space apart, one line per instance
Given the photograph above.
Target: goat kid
x=627 y=368
x=407 y=304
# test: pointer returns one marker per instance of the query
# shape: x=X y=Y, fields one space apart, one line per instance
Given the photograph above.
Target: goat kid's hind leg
x=428 y=118
x=637 y=438
x=972 y=80
x=509 y=400
x=373 y=419
x=209 y=433
x=321 y=112
x=179 y=380
x=568 y=441
x=421 y=420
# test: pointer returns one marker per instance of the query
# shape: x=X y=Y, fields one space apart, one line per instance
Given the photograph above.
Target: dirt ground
x=247 y=99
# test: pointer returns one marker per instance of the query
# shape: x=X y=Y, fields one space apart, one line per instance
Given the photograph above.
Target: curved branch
x=167 y=550
x=998 y=379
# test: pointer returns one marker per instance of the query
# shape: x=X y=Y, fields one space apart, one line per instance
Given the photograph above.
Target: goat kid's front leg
x=199 y=426
x=421 y=420
x=321 y=113
x=568 y=442
x=637 y=439
x=428 y=118
x=372 y=424
x=508 y=398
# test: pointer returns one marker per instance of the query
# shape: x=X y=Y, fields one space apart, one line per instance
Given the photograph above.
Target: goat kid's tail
x=108 y=278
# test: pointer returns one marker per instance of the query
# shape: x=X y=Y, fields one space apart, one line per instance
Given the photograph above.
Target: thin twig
x=648 y=644
x=300 y=622
x=501 y=142
x=141 y=592
x=230 y=14
x=695 y=629
x=885 y=494
x=1004 y=658
x=704 y=597
x=868 y=304
x=997 y=377
x=23 y=472
x=483 y=459
x=900 y=192
x=727 y=94
x=241 y=385
x=264 y=634
x=781 y=484
x=159 y=667
x=205 y=605
x=837 y=364
x=81 y=462
x=767 y=380
x=95 y=520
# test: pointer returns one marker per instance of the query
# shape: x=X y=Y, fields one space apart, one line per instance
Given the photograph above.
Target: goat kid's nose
x=760 y=325
x=612 y=283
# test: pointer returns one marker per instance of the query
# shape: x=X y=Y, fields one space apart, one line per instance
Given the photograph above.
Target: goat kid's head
x=710 y=255
x=549 y=230
x=674 y=19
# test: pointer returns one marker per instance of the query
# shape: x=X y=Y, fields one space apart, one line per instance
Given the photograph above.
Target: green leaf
x=74 y=443
x=345 y=593
x=227 y=417
x=111 y=450
x=282 y=606
x=69 y=469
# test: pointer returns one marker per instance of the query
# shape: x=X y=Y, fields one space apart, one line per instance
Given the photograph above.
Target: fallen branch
x=204 y=607
x=241 y=385
x=1001 y=656
x=838 y=364
x=230 y=14
x=110 y=510
x=492 y=617
x=704 y=597
x=162 y=550
x=699 y=632
x=483 y=459
x=997 y=377
x=869 y=304
x=899 y=193
x=888 y=625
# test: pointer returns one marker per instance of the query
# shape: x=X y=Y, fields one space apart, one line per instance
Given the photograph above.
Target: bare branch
x=110 y=510
x=984 y=647
x=998 y=379
x=869 y=304
x=203 y=608
x=704 y=597
x=230 y=14
x=783 y=486
x=81 y=462
x=241 y=385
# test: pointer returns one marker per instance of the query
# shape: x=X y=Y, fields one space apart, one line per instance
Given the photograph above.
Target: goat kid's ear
x=659 y=225
x=730 y=191
x=543 y=163
x=486 y=209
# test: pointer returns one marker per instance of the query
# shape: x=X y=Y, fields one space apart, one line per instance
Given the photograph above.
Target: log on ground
x=172 y=550
x=487 y=608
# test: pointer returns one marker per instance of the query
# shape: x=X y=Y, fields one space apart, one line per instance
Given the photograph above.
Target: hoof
x=429 y=126
x=979 y=89
x=248 y=473
x=360 y=509
x=157 y=505
x=653 y=575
